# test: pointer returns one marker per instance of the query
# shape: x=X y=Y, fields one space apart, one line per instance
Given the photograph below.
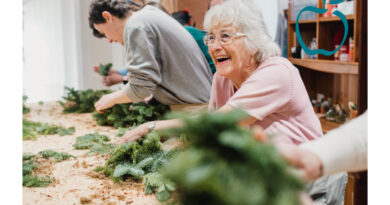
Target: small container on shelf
x=316 y=106
x=344 y=55
x=313 y=46
x=350 y=50
x=352 y=110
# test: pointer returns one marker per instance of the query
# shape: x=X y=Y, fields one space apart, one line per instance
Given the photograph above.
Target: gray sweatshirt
x=163 y=59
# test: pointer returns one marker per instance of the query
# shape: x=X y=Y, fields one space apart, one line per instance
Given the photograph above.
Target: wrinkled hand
x=308 y=164
x=112 y=78
x=259 y=134
x=133 y=134
x=106 y=101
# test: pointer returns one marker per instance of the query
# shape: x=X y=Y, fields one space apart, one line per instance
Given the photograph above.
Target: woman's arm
x=145 y=128
x=246 y=122
x=109 y=100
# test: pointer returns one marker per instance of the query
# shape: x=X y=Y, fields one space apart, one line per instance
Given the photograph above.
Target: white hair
x=244 y=16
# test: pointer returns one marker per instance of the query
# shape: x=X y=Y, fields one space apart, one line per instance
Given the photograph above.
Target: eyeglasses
x=224 y=38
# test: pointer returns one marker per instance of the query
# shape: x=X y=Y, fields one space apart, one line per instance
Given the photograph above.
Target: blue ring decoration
x=321 y=11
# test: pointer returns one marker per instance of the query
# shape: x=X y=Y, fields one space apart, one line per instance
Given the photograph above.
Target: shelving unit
x=335 y=79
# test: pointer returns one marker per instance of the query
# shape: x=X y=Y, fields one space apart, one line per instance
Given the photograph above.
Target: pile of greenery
x=81 y=101
x=30 y=180
x=141 y=159
x=105 y=69
x=25 y=109
x=58 y=156
x=224 y=164
x=31 y=129
x=95 y=142
x=127 y=115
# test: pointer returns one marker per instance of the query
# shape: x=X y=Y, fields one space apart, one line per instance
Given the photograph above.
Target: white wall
x=94 y=50
x=59 y=49
x=43 y=48
x=269 y=9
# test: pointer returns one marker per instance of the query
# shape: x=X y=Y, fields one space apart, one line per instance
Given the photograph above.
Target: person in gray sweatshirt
x=162 y=57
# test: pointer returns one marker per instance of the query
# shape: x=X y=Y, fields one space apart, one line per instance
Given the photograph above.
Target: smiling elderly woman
x=252 y=76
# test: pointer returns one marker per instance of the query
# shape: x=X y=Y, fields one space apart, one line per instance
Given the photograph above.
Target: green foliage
x=46 y=129
x=123 y=130
x=66 y=131
x=224 y=164
x=156 y=183
x=105 y=69
x=58 y=156
x=30 y=129
x=28 y=166
x=36 y=181
x=125 y=115
x=81 y=101
x=40 y=103
x=25 y=109
x=95 y=142
x=137 y=159
x=99 y=169
x=30 y=180
x=28 y=156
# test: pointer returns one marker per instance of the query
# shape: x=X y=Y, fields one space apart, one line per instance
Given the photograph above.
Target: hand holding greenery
x=105 y=69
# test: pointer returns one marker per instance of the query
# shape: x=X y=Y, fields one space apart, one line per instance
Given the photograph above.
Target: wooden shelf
x=303 y=21
x=323 y=19
x=335 y=18
x=327 y=66
x=328 y=125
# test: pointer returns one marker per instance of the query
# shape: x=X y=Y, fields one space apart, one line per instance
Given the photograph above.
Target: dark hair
x=182 y=17
x=117 y=8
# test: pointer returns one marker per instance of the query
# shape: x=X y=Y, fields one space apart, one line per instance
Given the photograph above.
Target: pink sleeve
x=221 y=91
x=212 y=101
x=265 y=92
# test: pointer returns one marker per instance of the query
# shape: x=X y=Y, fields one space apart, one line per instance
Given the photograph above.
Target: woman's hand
x=112 y=79
x=134 y=134
x=109 y=100
x=106 y=101
x=308 y=165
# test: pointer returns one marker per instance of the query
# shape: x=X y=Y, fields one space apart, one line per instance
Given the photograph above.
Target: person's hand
x=106 y=101
x=259 y=134
x=133 y=134
x=147 y=99
x=112 y=78
x=308 y=164
x=97 y=68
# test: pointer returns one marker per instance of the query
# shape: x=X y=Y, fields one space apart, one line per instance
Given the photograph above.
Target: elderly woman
x=251 y=75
